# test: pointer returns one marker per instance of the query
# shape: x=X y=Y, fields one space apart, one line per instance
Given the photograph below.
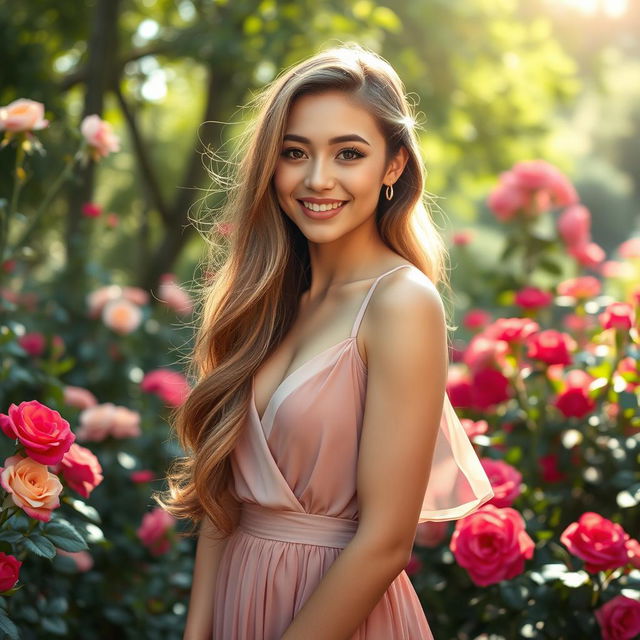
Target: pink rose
x=505 y=481
x=81 y=470
x=43 y=432
x=588 y=254
x=83 y=559
x=574 y=225
x=431 y=533
x=601 y=543
x=78 y=397
x=142 y=476
x=103 y=420
x=633 y=551
x=619 y=618
x=583 y=287
x=462 y=238
x=512 y=329
x=491 y=544
x=22 y=115
x=473 y=429
x=155 y=531
x=459 y=388
x=99 y=136
x=551 y=346
x=630 y=248
x=9 y=571
x=489 y=387
x=485 y=350
x=549 y=468
x=574 y=399
x=33 y=343
x=533 y=298
x=91 y=210
x=32 y=486
x=171 y=386
x=174 y=296
x=414 y=565
x=476 y=319
x=618 y=315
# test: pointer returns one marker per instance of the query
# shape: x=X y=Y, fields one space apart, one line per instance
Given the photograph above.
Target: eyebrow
x=350 y=137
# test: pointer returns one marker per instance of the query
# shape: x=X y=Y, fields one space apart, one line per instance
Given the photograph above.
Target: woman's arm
x=199 y=624
x=407 y=369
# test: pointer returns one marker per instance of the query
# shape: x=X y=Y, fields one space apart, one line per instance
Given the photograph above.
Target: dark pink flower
x=599 y=542
x=588 y=254
x=171 y=386
x=476 y=319
x=43 y=432
x=551 y=346
x=489 y=387
x=81 y=470
x=9 y=571
x=512 y=329
x=491 y=544
x=505 y=481
x=155 y=531
x=33 y=343
x=91 y=210
x=533 y=298
x=619 y=618
x=618 y=315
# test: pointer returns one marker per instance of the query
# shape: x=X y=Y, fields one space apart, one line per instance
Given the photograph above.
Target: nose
x=319 y=176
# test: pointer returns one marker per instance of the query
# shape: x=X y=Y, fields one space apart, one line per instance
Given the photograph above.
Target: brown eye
x=356 y=154
x=286 y=152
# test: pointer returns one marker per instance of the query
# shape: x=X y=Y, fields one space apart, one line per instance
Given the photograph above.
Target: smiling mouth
x=321 y=207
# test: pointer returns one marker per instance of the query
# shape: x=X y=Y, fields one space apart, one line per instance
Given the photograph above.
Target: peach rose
x=491 y=544
x=22 y=115
x=9 y=571
x=122 y=316
x=81 y=470
x=44 y=433
x=619 y=618
x=99 y=136
x=599 y=542
x=154 y=532
x=32 y=486
x=171 y=386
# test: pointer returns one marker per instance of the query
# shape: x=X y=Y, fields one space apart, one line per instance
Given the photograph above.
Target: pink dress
x=294 y=471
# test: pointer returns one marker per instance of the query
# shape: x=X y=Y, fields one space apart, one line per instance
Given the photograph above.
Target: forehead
x=321 y=116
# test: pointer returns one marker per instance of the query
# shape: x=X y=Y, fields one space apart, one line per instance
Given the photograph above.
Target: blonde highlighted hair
x=250 y=301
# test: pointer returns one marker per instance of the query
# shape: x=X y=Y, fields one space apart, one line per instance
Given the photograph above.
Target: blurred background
x=493 y=81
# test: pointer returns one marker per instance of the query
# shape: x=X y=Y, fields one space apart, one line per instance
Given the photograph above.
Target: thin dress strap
x=363 y=306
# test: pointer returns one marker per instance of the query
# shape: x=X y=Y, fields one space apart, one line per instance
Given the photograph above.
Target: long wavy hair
x=250 y=299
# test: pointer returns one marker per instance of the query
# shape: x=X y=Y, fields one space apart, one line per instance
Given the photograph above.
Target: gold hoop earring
x=389 y=191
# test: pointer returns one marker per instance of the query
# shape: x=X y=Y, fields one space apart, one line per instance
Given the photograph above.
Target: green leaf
x=88 y=512
x=64 y=536
x=8 y=627
x=40 y=546
x=11 y=536
x=56 y=626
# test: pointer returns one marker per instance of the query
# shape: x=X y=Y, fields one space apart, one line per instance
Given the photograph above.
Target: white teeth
x=322 y=207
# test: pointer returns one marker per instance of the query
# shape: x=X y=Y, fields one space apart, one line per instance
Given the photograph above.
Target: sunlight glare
x=612 y=8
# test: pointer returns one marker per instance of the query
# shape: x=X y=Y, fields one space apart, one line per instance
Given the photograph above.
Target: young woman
x=319 y=432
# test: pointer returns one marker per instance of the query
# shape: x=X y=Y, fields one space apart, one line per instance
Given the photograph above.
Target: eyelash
x=358 y=153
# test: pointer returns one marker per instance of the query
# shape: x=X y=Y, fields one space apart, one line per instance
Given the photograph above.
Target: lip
x=321 y=215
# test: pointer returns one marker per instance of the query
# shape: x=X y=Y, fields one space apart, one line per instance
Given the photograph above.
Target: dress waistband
x=296 y=526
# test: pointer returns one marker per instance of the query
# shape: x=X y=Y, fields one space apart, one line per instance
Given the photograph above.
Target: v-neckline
x=297 y=371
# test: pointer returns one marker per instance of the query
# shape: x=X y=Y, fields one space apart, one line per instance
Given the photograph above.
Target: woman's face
x=332 y=154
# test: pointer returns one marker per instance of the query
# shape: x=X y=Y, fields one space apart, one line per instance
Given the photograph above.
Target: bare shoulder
x=406 y=306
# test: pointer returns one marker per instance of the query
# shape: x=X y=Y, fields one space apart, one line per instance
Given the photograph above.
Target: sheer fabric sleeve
x=458 y=483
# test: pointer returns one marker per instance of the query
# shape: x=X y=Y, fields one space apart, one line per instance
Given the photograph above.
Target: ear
x=396 y=166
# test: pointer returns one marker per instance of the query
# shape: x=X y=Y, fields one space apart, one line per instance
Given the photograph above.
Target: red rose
x=491 y=544
x=550 y=346
x=601 y=543
x=44 y=433
x=505 y=481
x=549 y=468
x=9 y=571
x=619 y=619
x=575 y=402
